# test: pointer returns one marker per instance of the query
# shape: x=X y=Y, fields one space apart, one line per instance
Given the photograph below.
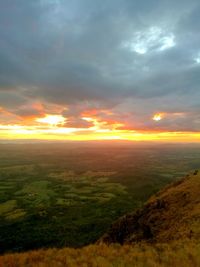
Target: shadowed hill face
x=173 y=213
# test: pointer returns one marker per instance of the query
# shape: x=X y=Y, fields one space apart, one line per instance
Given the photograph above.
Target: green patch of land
x=36 y=193
x=7 y=206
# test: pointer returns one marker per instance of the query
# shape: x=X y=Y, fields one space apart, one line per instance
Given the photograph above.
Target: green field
x=69 y=194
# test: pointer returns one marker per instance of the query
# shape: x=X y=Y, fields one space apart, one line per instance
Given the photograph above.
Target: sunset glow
x=52 y=119
x=57 y=127
x=88 y=124
x=64 y=78
x=157 y=117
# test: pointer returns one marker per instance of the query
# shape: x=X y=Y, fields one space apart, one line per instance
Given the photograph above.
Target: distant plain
x=68 y=194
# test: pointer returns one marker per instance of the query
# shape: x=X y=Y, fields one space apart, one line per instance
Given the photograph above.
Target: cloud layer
x=125 y=59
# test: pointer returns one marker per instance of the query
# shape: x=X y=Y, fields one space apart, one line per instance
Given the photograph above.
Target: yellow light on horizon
x=52 y=119
x=82 y=134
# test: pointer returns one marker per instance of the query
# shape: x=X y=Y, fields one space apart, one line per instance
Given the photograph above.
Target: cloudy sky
x=93 y=69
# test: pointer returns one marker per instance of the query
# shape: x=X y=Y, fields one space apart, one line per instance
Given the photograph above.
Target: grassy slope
x=172 y=218
x=186 y=254
x=171 y=214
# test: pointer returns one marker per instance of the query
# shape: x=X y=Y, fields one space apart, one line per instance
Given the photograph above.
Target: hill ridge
x=169 y=215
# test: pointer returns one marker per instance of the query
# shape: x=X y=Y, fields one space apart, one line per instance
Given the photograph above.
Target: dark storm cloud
x=107 y=52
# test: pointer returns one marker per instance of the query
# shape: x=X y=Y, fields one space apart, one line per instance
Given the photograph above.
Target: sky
x=95 y=70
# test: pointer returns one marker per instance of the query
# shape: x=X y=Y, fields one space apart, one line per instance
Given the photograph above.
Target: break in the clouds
x=117 y=61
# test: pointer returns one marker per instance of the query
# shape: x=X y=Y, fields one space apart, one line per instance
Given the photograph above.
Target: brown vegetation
x=171 y=214
x=186 y=254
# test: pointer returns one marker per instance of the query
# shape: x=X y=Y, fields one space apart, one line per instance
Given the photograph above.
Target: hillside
x=171 y=214
x=165 y=232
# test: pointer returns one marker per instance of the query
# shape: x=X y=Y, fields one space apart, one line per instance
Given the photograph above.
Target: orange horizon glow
x=81 y=134
x=55 y=127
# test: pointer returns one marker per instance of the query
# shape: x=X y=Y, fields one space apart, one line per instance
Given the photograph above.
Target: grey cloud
x=11 y=99
x=70 y=52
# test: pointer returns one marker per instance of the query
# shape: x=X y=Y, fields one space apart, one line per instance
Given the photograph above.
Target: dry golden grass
x=181 y=216
x=172 y=214
x=185 y=253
